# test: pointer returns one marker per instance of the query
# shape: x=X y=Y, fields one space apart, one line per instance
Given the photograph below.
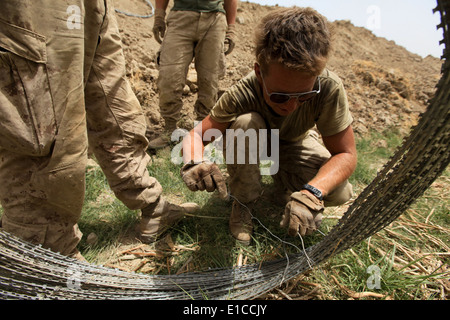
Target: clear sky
x=410 y=23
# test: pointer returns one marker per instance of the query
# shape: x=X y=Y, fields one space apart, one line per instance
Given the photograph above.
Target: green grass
x=103 y=215
x=373 y=152
x=411 y=254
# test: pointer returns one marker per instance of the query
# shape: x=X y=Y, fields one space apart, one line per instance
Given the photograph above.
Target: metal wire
x=137 y=15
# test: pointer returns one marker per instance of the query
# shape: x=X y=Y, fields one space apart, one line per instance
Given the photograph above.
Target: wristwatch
x=316 y=192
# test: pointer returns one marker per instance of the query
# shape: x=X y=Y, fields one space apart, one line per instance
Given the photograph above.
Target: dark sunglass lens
x=306 y=97
x=279 y=98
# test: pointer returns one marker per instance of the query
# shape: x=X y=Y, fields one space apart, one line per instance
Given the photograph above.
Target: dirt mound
x=386 y=84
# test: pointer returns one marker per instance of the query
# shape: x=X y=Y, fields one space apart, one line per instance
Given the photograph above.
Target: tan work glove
x=204 y=176
x=303 y=214
x=229 y=38
x=159 y=26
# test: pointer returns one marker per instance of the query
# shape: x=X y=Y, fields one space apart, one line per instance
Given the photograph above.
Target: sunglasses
x=280 y=98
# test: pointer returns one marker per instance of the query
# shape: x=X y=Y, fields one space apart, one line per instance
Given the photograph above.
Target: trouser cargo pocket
x=26 y=108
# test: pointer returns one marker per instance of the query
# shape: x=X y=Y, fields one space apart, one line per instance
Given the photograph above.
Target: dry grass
x=413 y=255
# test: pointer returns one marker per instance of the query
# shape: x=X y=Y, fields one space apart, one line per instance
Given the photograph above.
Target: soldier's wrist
x=160 y=13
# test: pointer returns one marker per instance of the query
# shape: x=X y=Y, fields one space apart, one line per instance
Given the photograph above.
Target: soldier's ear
x=258 y=71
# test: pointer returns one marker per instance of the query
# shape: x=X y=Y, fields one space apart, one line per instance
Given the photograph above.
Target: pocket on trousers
x=27 y=113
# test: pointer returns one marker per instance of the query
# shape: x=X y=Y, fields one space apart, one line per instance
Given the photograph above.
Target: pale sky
x=410 y=23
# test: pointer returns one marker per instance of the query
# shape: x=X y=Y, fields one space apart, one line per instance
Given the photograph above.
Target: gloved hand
x=229 y=38
x=303 y=214
x=204 y=176
x=159 y=26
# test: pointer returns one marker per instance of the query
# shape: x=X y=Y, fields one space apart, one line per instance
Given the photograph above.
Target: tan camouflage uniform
x=191 y=32
x=62 y=84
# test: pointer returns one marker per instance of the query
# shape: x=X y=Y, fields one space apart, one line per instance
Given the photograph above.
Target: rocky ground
x=386 y=84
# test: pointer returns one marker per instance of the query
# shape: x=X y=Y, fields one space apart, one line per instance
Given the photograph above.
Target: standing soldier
x=63 y=85
x=195 y=29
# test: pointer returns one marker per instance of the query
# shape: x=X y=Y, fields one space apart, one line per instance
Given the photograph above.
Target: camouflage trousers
x=190 y=35
x=298 y=163
x=63 y=87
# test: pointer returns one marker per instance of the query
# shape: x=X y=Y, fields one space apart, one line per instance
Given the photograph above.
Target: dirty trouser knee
x=241 y=148
x=29 y=210
x=299 y=163
x=190 y=34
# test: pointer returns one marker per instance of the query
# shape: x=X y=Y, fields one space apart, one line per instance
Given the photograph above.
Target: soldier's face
x=286 y=89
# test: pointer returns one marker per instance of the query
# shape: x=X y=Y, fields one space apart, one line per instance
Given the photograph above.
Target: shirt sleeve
x=239 y=99
x=335 y=114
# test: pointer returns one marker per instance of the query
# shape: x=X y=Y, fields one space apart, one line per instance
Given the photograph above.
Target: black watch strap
x=316 y=192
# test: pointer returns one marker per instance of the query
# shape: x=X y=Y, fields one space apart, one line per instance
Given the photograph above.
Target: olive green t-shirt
x=199 y=5
x=329 y=110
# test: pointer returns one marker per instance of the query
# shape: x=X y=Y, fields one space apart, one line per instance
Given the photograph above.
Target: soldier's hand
x=303 y=214
x=159 y=26
x=230 y=38
x=204 y=176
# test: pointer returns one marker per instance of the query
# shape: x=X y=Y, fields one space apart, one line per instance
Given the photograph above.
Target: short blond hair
x=298 y=38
